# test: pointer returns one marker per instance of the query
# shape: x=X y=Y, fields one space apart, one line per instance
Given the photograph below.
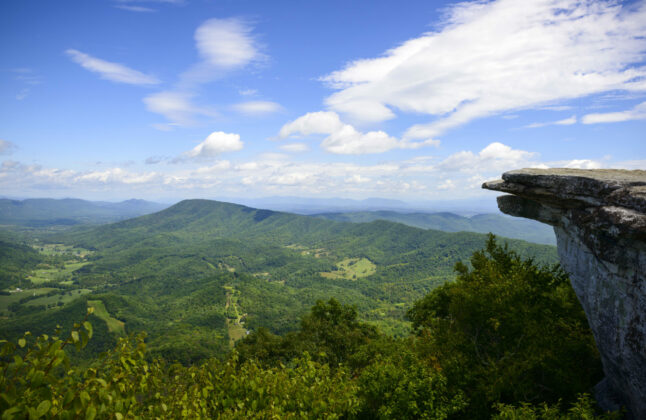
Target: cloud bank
x=343 y=138
x=491 y=57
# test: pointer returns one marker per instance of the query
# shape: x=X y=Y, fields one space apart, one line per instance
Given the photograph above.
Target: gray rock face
x=599 y=217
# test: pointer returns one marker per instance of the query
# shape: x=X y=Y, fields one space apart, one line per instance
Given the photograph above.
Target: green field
x=55 y=274
x=6 y=300
x=351 y=269
x=114 y=325
x=63 y=297
x=61 y=249
x=235 y=326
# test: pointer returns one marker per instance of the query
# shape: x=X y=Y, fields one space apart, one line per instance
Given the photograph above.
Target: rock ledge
x=599 y=217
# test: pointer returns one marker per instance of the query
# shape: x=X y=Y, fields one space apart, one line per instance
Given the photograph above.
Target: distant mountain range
x=309 y=205
x=44 y=212
x=47 y=212
x=528 y=230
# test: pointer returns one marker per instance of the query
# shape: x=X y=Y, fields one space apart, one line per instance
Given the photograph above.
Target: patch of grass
x=235 y=325
x=55 y=274
x=60 y=249
x=351 y=269
x=114 y=325
x=6 y=300
x=63 y=297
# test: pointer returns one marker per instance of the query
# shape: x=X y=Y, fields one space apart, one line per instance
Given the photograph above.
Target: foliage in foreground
x=37 y=382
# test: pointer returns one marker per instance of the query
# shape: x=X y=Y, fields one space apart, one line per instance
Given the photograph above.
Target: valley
x=201 y=273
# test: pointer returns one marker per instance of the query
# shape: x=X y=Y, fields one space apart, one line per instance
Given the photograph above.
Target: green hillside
x=525 y=229
x=178 y=273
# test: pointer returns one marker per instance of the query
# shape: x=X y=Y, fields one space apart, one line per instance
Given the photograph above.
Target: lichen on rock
x=599 y=217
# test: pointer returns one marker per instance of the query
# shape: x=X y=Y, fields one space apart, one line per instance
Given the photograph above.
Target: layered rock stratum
x=599 y=217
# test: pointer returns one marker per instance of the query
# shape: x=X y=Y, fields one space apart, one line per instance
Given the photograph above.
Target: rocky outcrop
x=599 y=217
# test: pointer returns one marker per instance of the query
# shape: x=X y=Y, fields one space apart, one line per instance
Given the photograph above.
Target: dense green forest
x=197 y=276
x=498 y=224
x=506 y=339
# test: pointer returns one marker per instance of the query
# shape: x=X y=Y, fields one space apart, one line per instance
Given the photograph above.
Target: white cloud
x=566 y=121
x=631 y=164
x=248 y=92
x=577 y=164
x=217 y=167
x=116 y=176
x=448 y=184
x=177 y=107
x=257 y=107
x=6 y=147
x=343 y=138
x=111 y=71
x=495 y=158
x=216 y=143
x=139 y=9
x=295 y=147
x=492 y=57
x=637 y=113
x=226 y=43
x=557 y=107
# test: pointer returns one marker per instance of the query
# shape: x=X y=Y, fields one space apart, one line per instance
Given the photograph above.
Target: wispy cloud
x=28 y=77
x=177 y=107
x=224 y=46
x=566 y=121
x=295 y=147
x=23 y=94
x=6 y=147
x=637 y=113
x=114 y=72
x=248 y=92
x=139 y=9
x=494 y=57
x=257 y=107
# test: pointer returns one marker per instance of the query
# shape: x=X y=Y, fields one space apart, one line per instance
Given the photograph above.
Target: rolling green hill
x=527 y=230
x=199 y=274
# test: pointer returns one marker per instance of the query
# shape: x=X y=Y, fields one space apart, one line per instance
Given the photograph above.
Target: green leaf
x=43 y=408
x=88 y=327
x=90 y=414
x=75 y=336
x=22 y=342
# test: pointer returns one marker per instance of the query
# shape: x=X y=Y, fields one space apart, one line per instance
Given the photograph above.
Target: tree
x=506 y=331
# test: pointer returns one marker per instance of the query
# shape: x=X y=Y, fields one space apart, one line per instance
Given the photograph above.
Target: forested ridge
x=229 y=291
x=528 y=230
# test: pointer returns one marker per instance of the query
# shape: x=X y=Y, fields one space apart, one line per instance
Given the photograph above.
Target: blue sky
x=419 y=100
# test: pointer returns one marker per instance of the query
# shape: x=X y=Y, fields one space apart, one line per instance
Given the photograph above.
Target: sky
x=417 y=100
